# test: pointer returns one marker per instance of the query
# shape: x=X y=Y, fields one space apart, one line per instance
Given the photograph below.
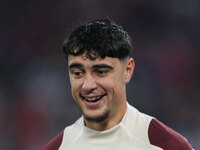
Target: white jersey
x=136 y=131
x=130 y=134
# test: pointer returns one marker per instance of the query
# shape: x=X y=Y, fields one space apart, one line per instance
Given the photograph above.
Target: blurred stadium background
x=35 y=99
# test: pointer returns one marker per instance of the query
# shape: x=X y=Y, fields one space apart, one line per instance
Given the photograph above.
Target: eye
x=102 y=72
x=76 y=73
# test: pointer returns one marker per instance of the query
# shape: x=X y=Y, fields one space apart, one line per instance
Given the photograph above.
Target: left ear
x=129 y=68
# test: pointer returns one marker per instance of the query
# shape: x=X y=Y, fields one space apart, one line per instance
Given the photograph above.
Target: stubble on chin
x=97 y=119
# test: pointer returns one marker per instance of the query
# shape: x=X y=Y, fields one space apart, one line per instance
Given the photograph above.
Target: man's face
x=98 y=86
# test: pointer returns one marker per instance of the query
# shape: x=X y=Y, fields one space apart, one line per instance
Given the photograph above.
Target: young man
x=99 y=69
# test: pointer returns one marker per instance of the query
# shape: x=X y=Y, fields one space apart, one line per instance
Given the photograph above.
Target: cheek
x=118 y=84
x=75 y=86
x=75 y=91
x=112 y=84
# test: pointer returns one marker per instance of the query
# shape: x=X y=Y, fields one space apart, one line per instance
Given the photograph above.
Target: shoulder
x=55 y=143
x=162 y=136
x=64 y=137
x=71 y=133
x=137 y=123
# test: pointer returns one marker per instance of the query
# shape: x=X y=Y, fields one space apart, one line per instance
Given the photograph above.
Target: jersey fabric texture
x=136 y=131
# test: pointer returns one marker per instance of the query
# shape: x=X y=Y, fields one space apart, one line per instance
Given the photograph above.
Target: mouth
x=94 y=101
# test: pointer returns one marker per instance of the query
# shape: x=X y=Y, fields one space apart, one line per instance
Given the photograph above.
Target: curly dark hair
x=98 y=38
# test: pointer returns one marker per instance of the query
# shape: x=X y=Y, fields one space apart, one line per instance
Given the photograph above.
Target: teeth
x=92 y=98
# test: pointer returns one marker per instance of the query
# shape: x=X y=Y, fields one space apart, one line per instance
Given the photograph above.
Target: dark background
x=35 y=98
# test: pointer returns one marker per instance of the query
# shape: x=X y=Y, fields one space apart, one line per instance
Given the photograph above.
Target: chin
x=97 y=119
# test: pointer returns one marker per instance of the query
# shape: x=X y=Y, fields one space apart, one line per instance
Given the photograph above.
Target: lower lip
x=94 y=104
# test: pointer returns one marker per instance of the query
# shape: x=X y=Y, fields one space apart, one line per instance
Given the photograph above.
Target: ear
x=129 y=68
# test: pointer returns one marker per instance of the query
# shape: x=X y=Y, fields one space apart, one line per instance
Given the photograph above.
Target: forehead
x=89 y=63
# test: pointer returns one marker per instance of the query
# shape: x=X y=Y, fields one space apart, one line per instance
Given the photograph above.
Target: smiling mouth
x=92 y=99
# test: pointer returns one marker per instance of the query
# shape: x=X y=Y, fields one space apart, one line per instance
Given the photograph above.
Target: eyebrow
x=97 y=66
x=75 y=65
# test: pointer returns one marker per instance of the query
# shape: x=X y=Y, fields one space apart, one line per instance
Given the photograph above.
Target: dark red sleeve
x=162 y=136
x=55 y=143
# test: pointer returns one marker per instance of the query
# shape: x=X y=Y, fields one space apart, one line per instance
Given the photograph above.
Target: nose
x=89 y=84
